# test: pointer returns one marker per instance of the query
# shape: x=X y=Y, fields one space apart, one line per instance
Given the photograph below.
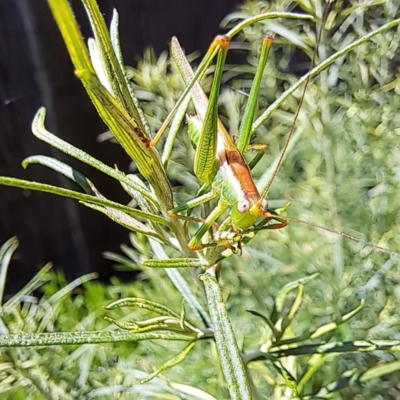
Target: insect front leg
x=176 y=212
x=195 y=244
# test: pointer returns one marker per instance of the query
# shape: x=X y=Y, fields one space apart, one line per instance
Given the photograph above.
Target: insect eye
x=264 y=204
x=243 y=205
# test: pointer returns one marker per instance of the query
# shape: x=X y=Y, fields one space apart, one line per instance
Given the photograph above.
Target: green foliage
x=301 y=314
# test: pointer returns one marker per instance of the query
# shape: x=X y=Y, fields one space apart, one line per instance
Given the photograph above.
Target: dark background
x=35 y=71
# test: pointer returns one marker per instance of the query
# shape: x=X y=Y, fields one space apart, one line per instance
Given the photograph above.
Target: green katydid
x=220 y=163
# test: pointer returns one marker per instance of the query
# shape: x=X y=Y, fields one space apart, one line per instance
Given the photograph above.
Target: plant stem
x=229 y=353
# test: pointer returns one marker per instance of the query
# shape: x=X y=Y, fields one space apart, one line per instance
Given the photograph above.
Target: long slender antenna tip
x=296 y=116
x=345 y=235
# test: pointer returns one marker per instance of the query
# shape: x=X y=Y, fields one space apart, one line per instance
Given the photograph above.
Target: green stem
x=229 y=353
x=323 y=348
x=270 y=15
x=42 y=187
x=85 y=337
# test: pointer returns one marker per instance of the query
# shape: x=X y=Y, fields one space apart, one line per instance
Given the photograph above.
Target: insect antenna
x=266 y=190
x=296 y=116
x=345 y=235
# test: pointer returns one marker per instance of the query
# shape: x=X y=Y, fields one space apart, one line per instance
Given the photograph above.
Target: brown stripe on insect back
x=242 y=172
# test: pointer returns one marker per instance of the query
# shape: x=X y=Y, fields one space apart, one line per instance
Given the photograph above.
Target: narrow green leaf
x=42 y=187
x=38 y=280
x=314 y=364
x=380 y=370
x=121 y=124
x=294 y=38
x=99 y=66
x=289 y=379
x=171 y=363
x=112 y=64
x=142 y=303
x=269 y=15
x=287 y=319
x=114 y=35
x=335 y=347
x=265 y=318
x=124 y=219
x=183 y=314
x=129 y=326
x=281 y=297
x=41 y=133
x=351 y=314
x=65 y=19
x=195 y=393
x=69 y=172
x=63 y=169
x=229 y=353
x=183 y=287
x=162 y=323
x=322 y=330
x=175 y=263
x=116 y=257
x=131 y=252
x=6 y=245
x=173 y=131
x=86 y=337
x=6 y=252
x=158 y=323
x=142 y=201
x=296 y=303
x=130 y=137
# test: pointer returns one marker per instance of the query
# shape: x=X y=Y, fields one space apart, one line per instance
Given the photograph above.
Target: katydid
x=220 y=163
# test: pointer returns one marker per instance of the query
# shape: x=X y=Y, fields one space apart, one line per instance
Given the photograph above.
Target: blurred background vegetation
x=342 y=171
